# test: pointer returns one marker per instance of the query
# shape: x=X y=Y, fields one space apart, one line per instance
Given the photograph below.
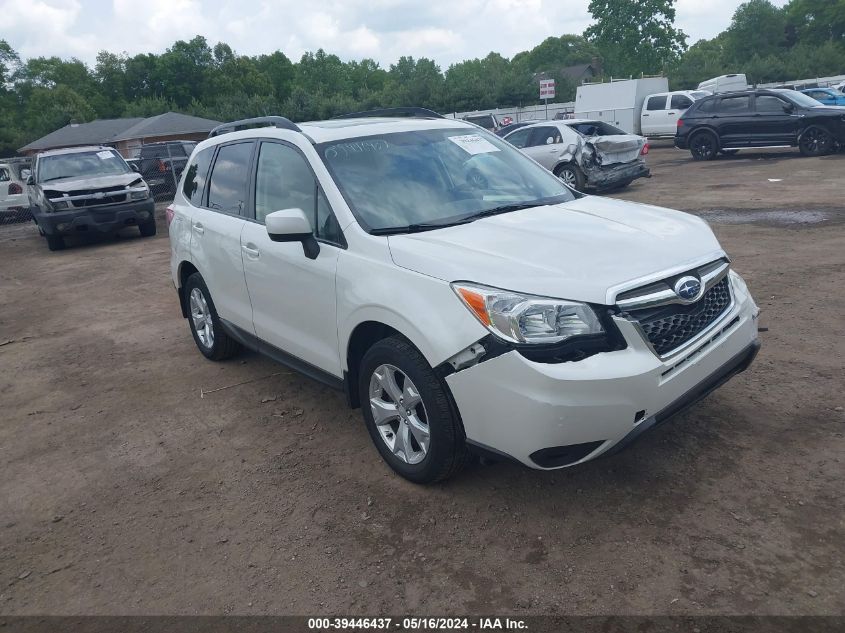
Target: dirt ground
x=124 y=491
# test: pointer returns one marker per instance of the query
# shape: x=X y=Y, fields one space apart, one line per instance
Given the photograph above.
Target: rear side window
x=4 y=175
x=680 y=102
x=545 y=135
x=656 y=103
x=735 y=105
x=706 y=106
x=227 y=184
x=195 y=176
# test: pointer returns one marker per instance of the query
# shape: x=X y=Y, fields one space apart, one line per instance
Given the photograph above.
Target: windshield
x=799 y=98
x=435 y=177
x=81 y=164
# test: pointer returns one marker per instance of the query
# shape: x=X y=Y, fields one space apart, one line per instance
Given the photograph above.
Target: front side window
x=519 y=138
x=735 y=105
x=283 y=180
x=656 y=103
x=106 y=162
x=433 y=177
x=767 y=103
x=680 y=102
x=227 y=185
x=196 y=175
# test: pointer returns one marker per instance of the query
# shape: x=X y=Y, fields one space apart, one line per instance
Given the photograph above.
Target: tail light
x=680 y=123
x=15 y=188
x=169 y=213
x=645 y=149
x=162 y=166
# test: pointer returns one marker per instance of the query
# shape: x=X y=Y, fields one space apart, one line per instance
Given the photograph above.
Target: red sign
x=547 y=88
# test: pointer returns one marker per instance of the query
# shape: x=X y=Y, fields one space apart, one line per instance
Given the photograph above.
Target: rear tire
x=55 y=242
x=704 y=146
x=425 y=441
x=147 y=229
x=208 y=332
x=815 y=141
x=571 y=175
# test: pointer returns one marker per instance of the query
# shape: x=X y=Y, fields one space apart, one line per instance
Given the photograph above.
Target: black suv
x=161 y=164
x=760 y=118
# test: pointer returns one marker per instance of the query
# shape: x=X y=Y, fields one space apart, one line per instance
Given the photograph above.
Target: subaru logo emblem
x=688 y=289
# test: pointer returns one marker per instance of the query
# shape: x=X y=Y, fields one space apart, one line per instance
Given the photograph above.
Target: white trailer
x=617 y=102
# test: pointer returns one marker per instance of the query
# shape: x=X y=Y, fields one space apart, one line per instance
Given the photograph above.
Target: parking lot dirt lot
x=123 y=490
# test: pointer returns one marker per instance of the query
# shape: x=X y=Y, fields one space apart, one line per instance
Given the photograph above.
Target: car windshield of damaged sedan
x=80 y=165
x=423 y=180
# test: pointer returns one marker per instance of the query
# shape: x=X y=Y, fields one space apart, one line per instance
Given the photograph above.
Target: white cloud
x=445 y=30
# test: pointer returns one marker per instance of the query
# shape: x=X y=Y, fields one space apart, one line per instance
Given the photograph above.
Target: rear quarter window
x=196 y=175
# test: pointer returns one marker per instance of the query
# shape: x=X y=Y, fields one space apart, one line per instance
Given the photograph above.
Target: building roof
x=93 y=133
x=104 y=131
x=578 y=72
x=167 y=124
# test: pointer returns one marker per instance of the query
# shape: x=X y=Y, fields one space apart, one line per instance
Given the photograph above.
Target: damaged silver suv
x=87 y=189
x=585 y=154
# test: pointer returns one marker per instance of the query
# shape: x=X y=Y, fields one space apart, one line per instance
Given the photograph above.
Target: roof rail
x=262 y=121
x=422 y=113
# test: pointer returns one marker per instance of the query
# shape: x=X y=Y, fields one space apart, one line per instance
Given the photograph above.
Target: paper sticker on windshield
x=105 y=155
x=474 y=144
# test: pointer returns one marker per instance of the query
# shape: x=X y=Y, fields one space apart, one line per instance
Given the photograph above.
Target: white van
x=661 y=111
x=725 y=83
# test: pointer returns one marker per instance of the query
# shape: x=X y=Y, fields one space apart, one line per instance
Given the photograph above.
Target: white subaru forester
x=458 y=292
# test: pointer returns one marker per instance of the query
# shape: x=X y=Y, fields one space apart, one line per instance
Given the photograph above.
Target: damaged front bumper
x=618 y=175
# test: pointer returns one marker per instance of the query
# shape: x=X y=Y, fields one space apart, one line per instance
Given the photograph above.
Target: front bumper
x=554 y=415
x=616 y=175
x=102 y=219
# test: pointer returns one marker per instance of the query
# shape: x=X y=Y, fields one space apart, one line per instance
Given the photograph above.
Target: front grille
x=669 y=327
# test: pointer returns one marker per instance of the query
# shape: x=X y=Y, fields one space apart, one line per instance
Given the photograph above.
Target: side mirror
x=30 y=179
x=291 y=225
x=134 y=167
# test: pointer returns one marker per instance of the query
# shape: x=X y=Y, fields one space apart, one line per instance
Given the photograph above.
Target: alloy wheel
x=815 y=141
x=201 y=316
x=399 y=414
x=569 y=178
x=703 y=146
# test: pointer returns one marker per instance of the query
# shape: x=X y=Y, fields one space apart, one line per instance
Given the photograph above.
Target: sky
x=447 y=31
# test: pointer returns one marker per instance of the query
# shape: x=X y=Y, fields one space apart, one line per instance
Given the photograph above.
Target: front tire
x=147 y=229
x=815 y=141
x=571 y=175
x=208 y=332
x=55 y=242
x=409 y=414
x=704 y=146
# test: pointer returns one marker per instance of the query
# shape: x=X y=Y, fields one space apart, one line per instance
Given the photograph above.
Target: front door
x=653 y=118
x=293 y=297
x=773 y=125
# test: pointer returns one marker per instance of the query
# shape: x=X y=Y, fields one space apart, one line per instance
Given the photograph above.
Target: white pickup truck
x=638 y=106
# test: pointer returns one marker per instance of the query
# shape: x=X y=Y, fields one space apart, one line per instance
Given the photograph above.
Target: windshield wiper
x=417 y=228
x=56 y=178
x=506 y=208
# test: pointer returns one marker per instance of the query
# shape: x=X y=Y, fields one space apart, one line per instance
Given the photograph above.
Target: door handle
x=671 y=113
x=250 y=250
x=198 y=228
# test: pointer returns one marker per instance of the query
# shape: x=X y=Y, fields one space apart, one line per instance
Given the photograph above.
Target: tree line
x=804 y=38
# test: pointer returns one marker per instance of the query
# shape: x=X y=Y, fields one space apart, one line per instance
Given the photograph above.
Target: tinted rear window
x=196 y=175
x=227 y=184
x=731 y=105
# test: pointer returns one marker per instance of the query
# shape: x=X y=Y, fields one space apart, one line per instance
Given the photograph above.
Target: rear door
x=216 y=232
x=544 y=145
x=293 y=297
x=193 y=194
x=734 y=121
x=653 y=117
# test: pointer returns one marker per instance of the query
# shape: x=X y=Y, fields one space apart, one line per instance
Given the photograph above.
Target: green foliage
x=805 y=38
x=636 y=36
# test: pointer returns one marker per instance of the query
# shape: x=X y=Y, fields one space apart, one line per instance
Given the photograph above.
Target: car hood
x=90 y=182
x=577 y=250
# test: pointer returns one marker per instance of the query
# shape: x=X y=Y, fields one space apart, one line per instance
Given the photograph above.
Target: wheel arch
x=705 y=128
x=186 y=269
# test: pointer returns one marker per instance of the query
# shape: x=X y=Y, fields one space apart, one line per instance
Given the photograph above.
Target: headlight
x=60 y=205
x=522 y=318
x=140 y=195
